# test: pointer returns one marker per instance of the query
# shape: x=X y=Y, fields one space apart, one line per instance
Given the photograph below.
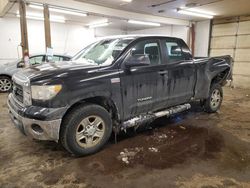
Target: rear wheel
x=213 y=102
x=86 y=129
x=5 y=84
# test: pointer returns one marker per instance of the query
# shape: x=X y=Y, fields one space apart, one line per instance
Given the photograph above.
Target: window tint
x=57 y=58
x=36 y=60
x=66 y=58
x=54 y=58
x=174 y=52
x=149 y=48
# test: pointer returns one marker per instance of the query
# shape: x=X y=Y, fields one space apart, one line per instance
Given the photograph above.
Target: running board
x=142 y=119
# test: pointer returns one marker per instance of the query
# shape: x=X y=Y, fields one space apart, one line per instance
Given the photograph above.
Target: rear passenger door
x=180 y=72
x=176 y=84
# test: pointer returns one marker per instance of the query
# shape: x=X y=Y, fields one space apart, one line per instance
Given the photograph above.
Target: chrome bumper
x=37 y=129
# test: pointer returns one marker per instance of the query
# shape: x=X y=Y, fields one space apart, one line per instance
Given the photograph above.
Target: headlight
x=27 y=97
x=45 y=92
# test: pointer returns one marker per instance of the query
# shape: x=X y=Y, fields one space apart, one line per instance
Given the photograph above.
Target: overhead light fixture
x=67 y=11
x=36 y=6
x=127 y=1
x=58 y=9
x=201 y=11
x=99 y=23
x=196 y=12
x=35 y=16
x=143 y=23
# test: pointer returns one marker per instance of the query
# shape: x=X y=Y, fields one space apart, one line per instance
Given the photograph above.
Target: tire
x=5 y=84
x=86 y=129
x=213 y=102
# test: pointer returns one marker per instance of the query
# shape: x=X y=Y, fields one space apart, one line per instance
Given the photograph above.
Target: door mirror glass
x=137 y=60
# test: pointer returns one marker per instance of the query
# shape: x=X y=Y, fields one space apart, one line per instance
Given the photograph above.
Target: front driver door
x=139 y=83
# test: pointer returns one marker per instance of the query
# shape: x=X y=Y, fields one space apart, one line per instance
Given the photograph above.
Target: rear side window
x=57 y=58
x=174 y=52
x=150 y=48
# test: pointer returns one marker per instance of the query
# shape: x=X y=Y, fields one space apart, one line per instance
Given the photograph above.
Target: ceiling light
x=190 y=13
x=127 y=1
x=67 y=11
x=143 y=23
x=99 y=25
x=197 y=10
x=35 y=16
x=59 y=10
x=36 y=6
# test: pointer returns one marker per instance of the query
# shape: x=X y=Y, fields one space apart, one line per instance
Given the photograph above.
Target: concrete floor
x=193 y=149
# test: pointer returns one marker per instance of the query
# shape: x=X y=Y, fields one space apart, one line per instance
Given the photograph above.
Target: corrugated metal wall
x=232 y=37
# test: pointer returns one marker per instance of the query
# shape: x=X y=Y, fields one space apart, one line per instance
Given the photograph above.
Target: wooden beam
x=23 y=25
x=193 y=38
x=47 y=26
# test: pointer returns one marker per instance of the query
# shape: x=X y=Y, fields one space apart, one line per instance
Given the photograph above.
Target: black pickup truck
x=112 y=85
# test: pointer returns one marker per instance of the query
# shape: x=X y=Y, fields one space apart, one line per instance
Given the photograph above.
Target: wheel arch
x=6 y=75
x=103 y=101
x=221 y=77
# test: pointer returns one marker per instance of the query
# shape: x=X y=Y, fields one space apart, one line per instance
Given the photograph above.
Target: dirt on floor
x=191 y=149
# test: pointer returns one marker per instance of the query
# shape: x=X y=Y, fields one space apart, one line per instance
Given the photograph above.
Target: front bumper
x=45 y=129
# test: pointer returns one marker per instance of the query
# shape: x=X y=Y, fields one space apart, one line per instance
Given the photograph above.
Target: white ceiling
x=163 y=8
x=167 y=8
x=114 y=23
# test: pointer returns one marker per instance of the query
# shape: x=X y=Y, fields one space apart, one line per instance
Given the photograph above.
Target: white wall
x=202 y=32
x=172 y=31
x=105 y=31
x=9 y=38
x=66 y=38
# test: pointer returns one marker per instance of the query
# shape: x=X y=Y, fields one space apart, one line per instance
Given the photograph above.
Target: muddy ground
x=192 y=149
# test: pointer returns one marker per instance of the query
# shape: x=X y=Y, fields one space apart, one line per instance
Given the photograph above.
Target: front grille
x=18 y=92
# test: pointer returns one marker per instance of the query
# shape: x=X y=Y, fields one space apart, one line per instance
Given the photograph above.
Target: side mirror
x=137 y=60
x=20 y=64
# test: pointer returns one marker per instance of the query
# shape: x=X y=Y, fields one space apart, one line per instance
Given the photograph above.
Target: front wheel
x=86 y=129
x=213 y=102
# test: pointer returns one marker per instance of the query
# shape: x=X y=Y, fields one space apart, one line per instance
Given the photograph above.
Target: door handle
x=162 y=72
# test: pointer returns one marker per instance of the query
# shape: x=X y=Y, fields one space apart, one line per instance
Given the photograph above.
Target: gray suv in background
x=8 y=69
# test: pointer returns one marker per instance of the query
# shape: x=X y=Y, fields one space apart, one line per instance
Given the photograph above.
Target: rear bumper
x=32 y=127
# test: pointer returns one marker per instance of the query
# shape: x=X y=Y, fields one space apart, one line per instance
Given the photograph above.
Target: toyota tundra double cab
x=112 y=85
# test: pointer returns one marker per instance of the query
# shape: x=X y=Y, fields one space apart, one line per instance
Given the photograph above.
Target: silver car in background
x=8 y=69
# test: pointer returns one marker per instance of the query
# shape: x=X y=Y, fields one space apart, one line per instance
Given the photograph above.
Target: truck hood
x=57 y=70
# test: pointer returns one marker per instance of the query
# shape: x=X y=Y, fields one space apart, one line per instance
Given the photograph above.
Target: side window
x=56 y=58
x=36 y=60
x=149 y=48
x=174 y=52
x=65 y=58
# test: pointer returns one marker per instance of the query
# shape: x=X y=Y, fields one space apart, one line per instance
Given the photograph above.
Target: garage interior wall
x=67 y=38
x=232 y=37
x=173 y=31
x=202 y=35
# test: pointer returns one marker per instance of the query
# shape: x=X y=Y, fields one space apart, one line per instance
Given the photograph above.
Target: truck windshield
x=103 y=52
